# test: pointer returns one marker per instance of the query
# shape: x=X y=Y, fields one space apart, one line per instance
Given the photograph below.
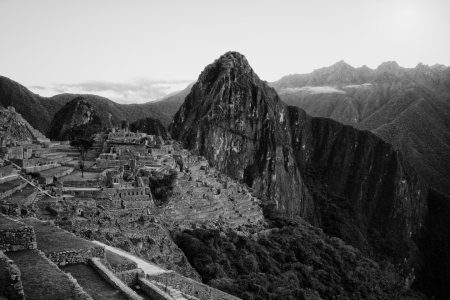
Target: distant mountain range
x=408 y=107
x=363 y=154
x=39 y=111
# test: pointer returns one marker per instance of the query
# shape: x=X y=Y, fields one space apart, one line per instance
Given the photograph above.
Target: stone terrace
x=207 y=195
x=63 y=247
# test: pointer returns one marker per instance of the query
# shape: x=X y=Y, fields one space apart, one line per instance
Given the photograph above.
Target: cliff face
x=375 y=196
x=239 y=124
x=407 y=107
x=347 y=181
x=77 y=119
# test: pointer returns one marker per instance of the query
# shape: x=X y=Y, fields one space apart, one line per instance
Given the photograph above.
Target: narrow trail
x=147 y=267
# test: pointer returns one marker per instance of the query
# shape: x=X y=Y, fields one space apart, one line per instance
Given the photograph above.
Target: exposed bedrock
x=347 y=181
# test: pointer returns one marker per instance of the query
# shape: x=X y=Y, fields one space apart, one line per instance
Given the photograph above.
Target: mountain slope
x=39 y=111
x=409 y=108
x=75 y=120
x=25 y=102
x=335 y=176
x=150 y=126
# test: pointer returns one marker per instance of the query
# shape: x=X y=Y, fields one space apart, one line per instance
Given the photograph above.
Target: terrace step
x=43 y=280
x=9 y=188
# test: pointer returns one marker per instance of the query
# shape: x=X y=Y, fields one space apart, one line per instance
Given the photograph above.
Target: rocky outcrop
x=310 y=167
x=76 y=120
x=13 y=130
x=239 y=124
x=150 y=126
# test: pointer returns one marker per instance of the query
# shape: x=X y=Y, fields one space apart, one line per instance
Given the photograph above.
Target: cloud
x=136 y=90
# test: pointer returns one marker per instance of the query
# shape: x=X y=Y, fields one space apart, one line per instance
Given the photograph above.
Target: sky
x=138 y=51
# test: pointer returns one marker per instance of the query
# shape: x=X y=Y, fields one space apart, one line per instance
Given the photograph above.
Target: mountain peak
x=231 y=65
x=388 y=66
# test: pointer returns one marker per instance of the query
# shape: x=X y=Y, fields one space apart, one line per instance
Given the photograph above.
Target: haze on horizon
x=138 y=51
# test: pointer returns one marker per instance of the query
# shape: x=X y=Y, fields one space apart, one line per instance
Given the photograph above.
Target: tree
x=83 y=146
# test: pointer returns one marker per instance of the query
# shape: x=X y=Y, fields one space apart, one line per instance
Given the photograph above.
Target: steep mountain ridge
x=407 y=107
x=227 y=115
x=302 y=164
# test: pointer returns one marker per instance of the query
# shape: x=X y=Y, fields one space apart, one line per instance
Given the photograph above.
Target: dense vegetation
x=162 y=185
x=292 y=260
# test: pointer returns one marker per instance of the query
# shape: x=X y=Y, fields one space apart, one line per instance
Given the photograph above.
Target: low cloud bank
x=137 y=90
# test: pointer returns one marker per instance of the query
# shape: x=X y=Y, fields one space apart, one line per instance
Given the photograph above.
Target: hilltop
x=39 y=111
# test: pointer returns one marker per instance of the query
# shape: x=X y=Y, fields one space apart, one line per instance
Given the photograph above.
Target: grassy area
x=10 y=185
x=52 y=239
x=51 y=172
x=42 y=280
x=20 y=197
x=76 y=176
x=93 y=283
x=8 y=223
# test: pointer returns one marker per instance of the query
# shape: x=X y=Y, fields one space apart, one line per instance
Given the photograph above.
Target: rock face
x=150 y=126
x=77 y=119
x=12 y=128
x=407 y=107
x=347 y=181
x=237 y=121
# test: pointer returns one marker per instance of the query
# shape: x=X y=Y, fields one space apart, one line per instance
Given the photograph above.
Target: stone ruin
x=38 y=178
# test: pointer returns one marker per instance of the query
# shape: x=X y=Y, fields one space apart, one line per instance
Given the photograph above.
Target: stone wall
x=76 y=256
x=191 y=287
x=113 y=280
x=10 y=282
x=81 y=184
x=9 y=178
x=106 y=163
x=80 y=293
x=18 y=187
x=36 y=169
x=130 y=277
x=15 y=239
x=153 y=291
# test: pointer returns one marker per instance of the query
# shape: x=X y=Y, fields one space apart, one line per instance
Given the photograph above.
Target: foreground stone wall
x=131 y=277
x=80 y=293
x=153 y=291
x=76 y=256
x=15 y=239
x=113 y=280
x=191 y=287
x=10 y=282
